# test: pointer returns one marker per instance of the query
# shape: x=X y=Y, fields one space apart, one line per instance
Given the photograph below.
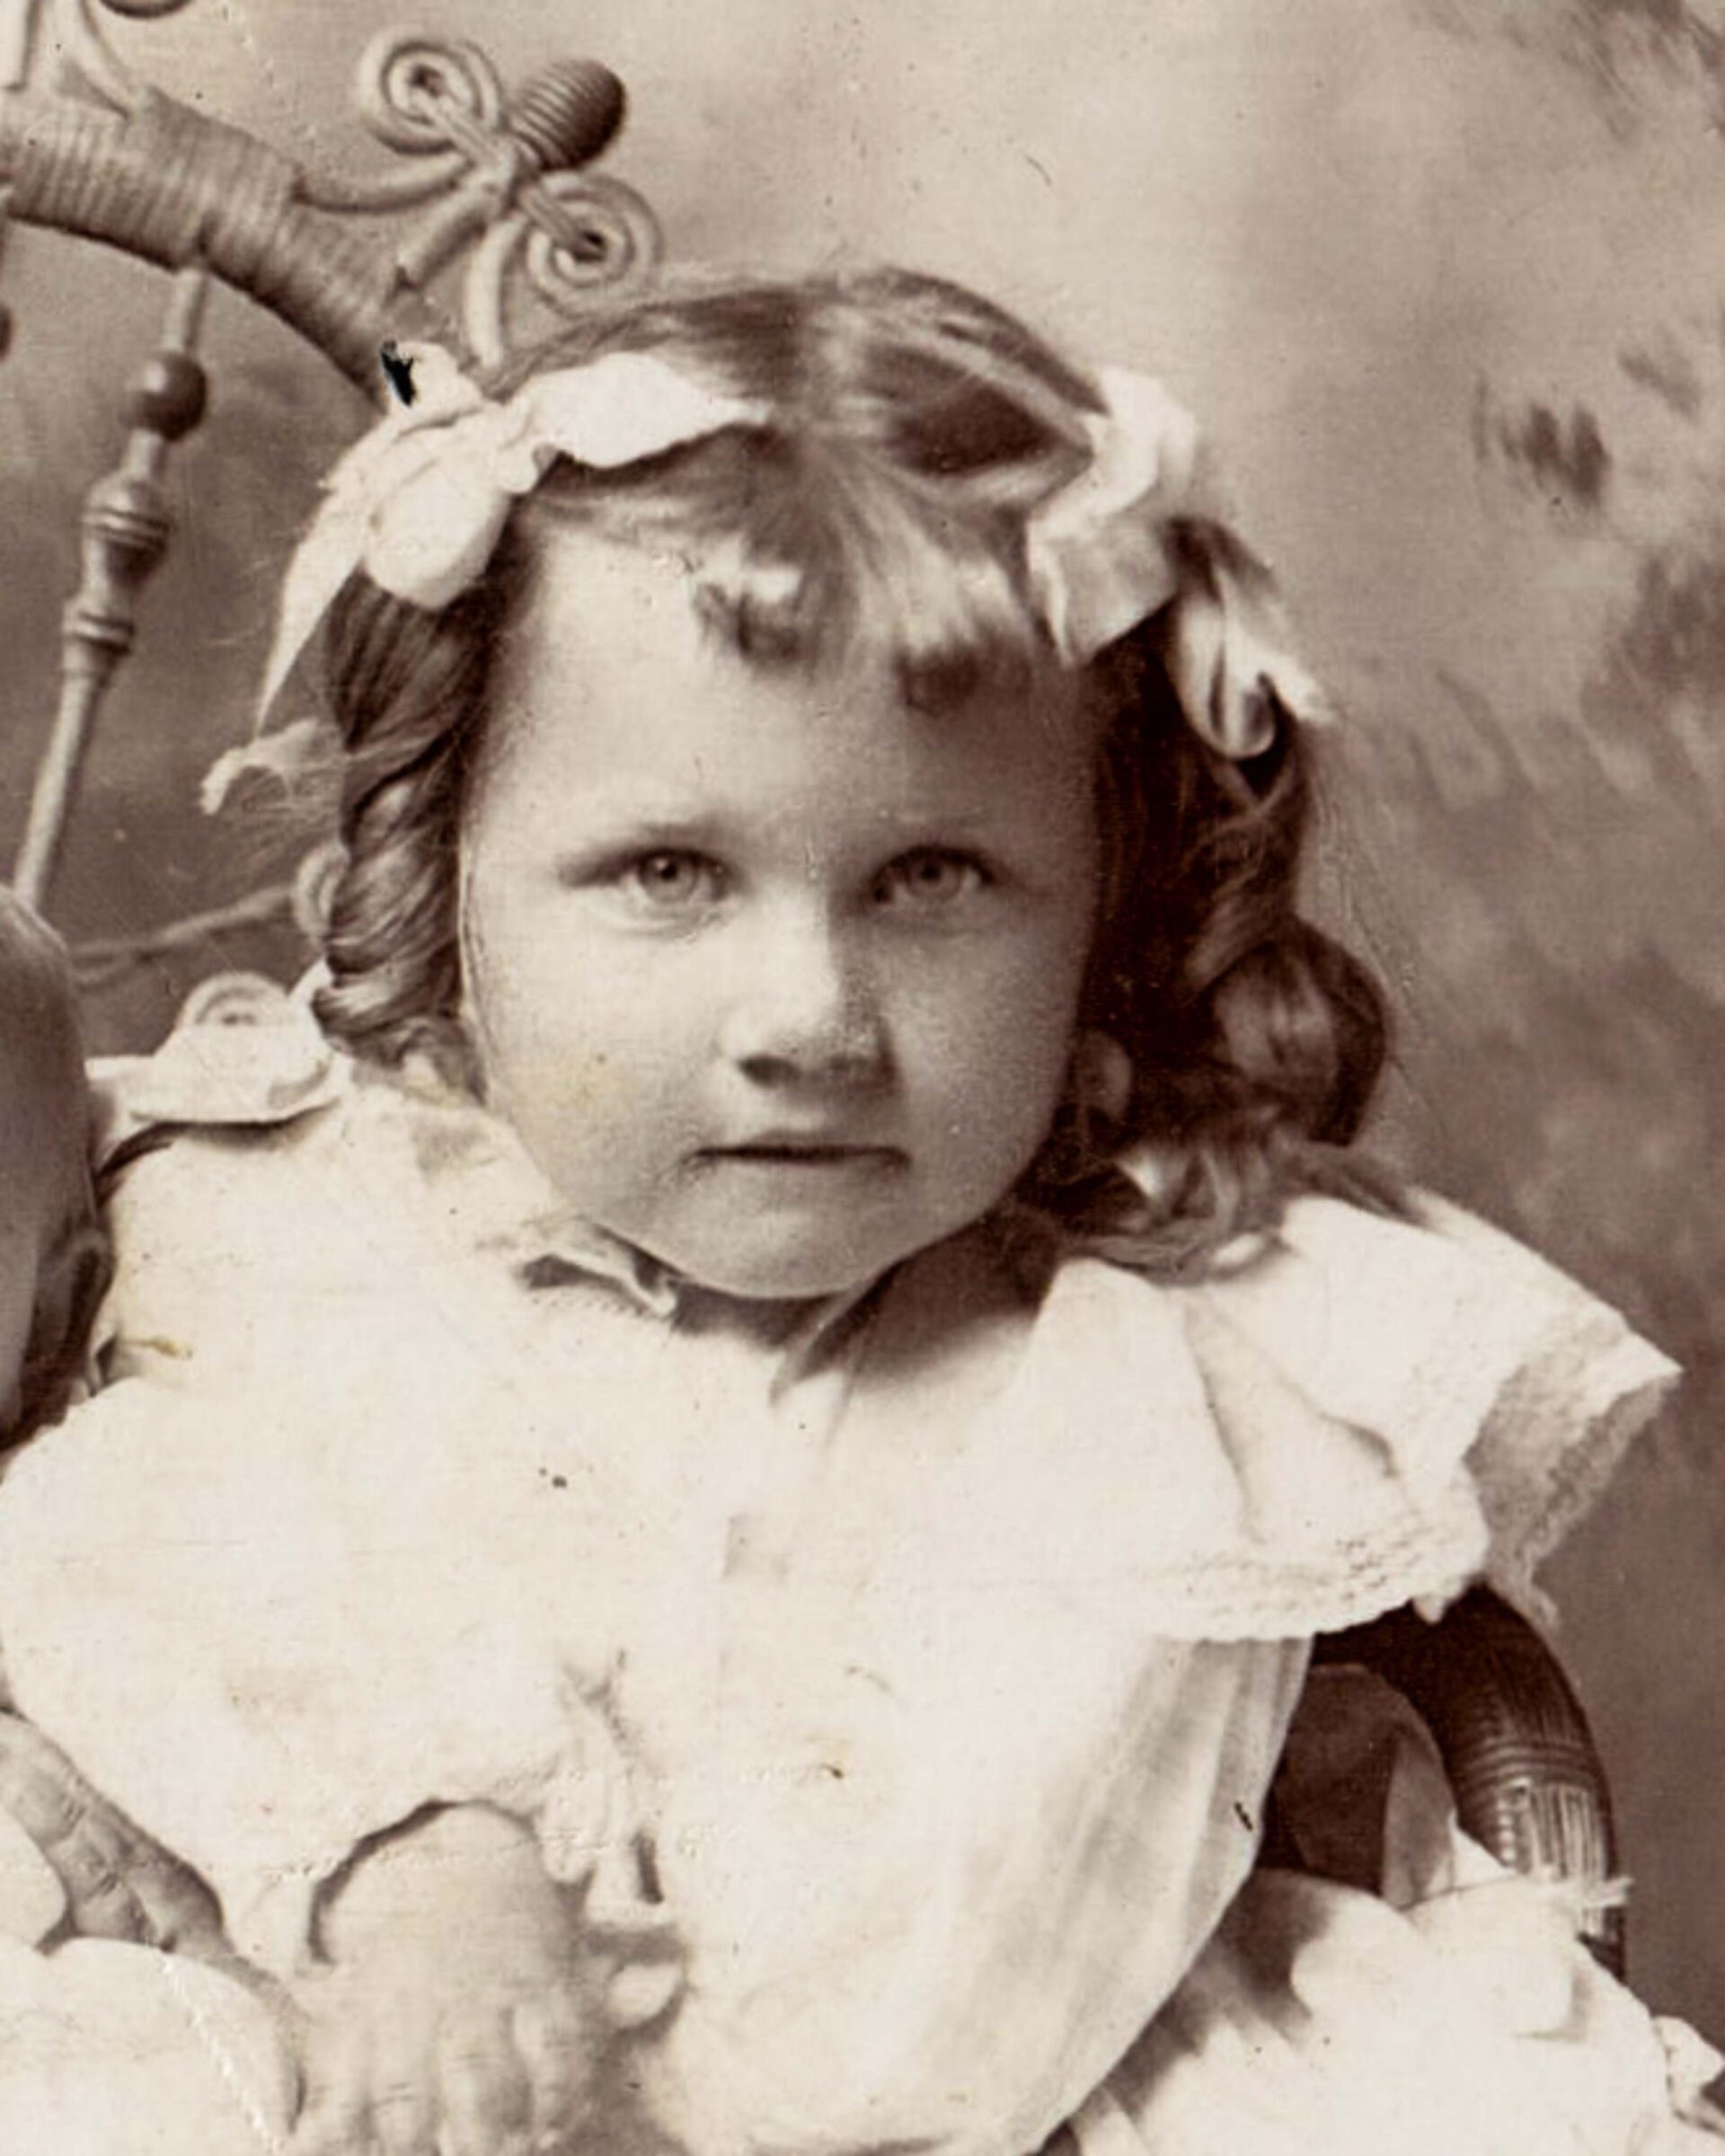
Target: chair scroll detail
x=496 y=190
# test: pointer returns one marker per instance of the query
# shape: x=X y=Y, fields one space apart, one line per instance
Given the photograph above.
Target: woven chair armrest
x=1521 y=1761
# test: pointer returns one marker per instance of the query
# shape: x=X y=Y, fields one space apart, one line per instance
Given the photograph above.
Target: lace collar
x=247 y=1054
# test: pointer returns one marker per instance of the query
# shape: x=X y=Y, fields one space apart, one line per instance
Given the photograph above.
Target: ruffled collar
x=1357 y=1412
x=248 y=1055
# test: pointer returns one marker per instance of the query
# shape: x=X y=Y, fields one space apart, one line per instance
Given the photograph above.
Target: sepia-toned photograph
x=862 y=1078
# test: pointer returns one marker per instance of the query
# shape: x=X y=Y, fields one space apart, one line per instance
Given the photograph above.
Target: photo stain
x=1565 y=460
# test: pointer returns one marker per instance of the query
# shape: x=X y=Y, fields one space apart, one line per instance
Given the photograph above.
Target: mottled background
x=1443 y=276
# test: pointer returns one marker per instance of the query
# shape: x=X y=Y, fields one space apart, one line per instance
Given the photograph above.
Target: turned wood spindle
x=127 y=528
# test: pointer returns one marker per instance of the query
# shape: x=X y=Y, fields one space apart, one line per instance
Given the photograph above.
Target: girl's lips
x=787 y=1153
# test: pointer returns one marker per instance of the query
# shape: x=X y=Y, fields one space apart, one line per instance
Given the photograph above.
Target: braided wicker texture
x=1515 y=1745
x=174 y=187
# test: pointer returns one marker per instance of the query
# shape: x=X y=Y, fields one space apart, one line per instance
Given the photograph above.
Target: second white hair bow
x=421 y=501
x=1132 y=532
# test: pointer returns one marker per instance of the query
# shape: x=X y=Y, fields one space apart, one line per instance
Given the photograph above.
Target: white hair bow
x=1132 y=533
x=421 y=501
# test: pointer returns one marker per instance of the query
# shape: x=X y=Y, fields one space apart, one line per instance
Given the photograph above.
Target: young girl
x=717 y=1485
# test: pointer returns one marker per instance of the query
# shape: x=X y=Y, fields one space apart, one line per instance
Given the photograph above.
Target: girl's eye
x=931 y=877
x=668 y=880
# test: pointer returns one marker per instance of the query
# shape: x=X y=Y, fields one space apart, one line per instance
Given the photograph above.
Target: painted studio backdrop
x=1441 y=276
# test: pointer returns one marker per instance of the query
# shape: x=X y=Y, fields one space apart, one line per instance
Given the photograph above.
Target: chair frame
x=495 y=187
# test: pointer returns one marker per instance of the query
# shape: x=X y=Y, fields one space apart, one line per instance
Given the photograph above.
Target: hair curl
x=913 y=427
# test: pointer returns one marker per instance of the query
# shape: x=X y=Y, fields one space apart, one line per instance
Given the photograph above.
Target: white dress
x=925 y=1677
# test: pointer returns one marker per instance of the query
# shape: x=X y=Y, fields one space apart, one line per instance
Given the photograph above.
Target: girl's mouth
x=803 y=1153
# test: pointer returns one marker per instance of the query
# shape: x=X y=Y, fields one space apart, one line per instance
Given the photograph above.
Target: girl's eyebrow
x=604 y=828
x=609 y=821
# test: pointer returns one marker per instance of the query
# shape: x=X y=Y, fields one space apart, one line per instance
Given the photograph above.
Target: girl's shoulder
x=1348 y=1413
x=251 y=1172
x=208 y=1146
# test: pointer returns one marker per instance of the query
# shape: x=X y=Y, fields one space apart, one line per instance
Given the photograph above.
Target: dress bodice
x=927 y=1670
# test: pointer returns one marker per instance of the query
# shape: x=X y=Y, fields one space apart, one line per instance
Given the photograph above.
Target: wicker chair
x=1526 y=1778
x=499 y=198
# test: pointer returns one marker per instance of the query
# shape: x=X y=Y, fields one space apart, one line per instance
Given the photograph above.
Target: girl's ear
x=72 y=1279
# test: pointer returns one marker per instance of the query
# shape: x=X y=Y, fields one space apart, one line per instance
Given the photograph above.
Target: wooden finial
x=567 y=114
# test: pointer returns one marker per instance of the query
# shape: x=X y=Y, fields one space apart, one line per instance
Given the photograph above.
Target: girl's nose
x=804 y=1007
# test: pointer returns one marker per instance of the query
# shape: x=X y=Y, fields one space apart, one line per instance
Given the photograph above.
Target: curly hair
x=913 y=428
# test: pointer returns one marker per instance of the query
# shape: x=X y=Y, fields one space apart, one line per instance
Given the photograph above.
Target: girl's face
x=775 y=977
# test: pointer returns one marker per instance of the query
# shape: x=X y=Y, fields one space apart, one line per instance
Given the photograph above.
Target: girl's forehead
x=616 y=671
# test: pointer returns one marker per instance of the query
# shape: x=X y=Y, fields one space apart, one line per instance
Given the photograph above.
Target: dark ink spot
x=559 y=1481
x=1565 y=460
x=1244 y=1818
x=398 y=369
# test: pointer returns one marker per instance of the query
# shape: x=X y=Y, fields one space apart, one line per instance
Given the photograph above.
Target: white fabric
x=1321 y=2021
x=1138 y=529
x=421 y=502
x=396 y=1530
x=942 y=1662
x=113 y=2050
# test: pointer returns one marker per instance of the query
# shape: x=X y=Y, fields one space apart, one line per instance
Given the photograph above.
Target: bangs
x=880 y=503
x=802 y=555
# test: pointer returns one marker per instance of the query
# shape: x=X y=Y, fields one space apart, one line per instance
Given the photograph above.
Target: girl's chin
x=793 y=1270
x=769 y=1285
x=817 y=1239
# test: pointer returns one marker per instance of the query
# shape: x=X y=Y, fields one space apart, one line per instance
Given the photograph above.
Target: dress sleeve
x=1348 y=1414
x=1493 y=1382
